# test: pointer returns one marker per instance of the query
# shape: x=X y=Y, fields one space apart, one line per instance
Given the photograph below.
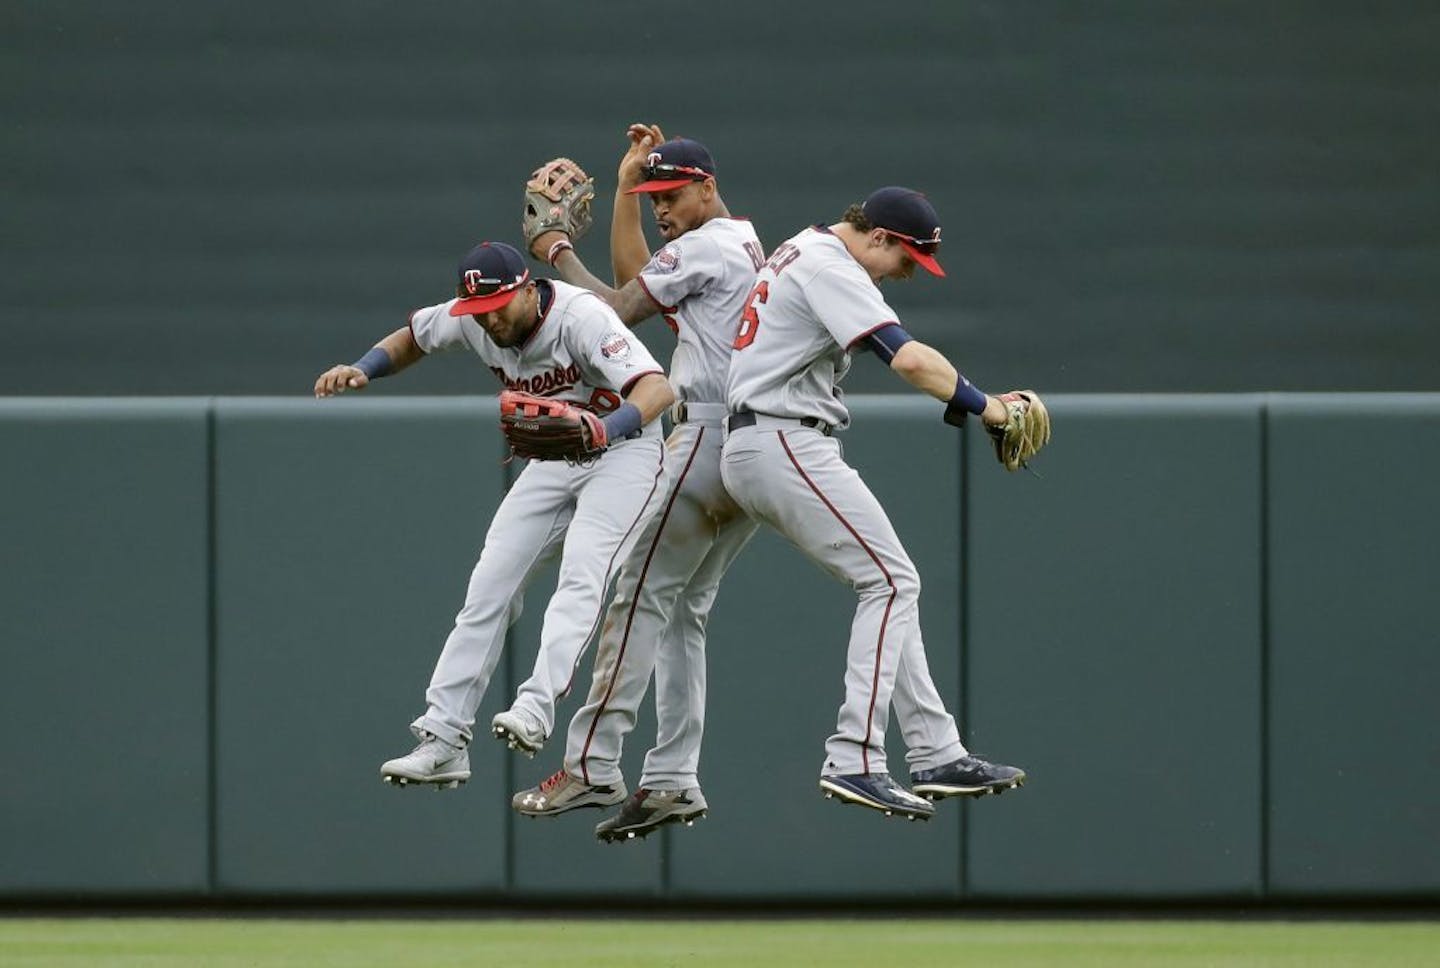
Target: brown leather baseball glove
x=557 y=198
x=544 y=429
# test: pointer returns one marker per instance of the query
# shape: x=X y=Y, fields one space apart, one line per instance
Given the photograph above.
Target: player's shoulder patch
x=615 y=346
x=666 y=260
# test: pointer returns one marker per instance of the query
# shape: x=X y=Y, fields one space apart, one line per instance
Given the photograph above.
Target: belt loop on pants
x=749 y=418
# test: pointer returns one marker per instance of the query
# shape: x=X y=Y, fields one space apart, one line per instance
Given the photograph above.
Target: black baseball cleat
x=650 y=810
x=969 y=776
x=878 y=791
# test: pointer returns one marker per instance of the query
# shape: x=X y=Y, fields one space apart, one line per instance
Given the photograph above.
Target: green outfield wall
x=1204 y=626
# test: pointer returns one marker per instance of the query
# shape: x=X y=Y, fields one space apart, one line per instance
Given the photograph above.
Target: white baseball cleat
x=520 y=730
x=434 y=762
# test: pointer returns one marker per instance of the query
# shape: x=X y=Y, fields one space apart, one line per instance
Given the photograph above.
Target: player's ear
x=708 y=189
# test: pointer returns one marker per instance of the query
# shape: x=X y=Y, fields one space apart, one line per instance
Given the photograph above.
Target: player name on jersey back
x=811 y=303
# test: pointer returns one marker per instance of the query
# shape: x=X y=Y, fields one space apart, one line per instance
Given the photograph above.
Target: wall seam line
x=1265 y=658
x=212 y=656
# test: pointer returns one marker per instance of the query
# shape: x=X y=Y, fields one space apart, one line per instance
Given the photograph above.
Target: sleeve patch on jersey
x=666 y=260
x=615 y=347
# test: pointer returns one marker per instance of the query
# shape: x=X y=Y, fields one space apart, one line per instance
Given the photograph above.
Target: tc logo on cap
x=475 y=280
x=491 y=274
x=675 y=164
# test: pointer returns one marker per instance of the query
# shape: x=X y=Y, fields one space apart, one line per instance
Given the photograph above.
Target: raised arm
x=391 y=355
x=631 y=302
x=628 y=251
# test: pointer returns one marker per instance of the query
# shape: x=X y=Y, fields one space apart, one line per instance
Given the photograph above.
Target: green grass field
x=540 y=943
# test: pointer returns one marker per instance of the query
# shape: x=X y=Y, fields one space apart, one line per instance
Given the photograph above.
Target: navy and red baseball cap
x=491 y=274
x=675 y=164
x=911 y=219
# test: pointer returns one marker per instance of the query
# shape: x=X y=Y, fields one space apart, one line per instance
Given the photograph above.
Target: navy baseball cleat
x=878 y=791
x=969 y=776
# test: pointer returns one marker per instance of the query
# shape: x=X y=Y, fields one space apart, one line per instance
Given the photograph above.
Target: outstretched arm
x=391 y=355
x=927 y=370
x=631 y=302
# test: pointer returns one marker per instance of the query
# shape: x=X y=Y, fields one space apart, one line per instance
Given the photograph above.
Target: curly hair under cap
x=855 y=216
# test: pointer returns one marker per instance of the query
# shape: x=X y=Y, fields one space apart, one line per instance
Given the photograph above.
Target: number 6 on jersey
x=750 y=318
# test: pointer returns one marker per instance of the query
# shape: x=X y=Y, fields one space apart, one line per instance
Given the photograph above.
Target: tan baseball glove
x=544 y=429
x=1026 y=429
x=557 y=198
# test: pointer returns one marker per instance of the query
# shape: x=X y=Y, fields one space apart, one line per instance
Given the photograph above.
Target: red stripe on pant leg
x=634 y=603
x=884 y=620
x=600 y=613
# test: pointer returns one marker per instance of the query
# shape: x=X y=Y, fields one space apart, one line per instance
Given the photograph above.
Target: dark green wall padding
x=1203 y=625
x=1171 y=197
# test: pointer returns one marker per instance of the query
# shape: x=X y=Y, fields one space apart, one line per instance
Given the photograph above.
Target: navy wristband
x=374 y=364
x=623 y=422
x=967 y=399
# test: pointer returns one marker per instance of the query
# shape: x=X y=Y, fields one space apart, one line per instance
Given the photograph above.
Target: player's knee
x=903 y=583
x=907 y=583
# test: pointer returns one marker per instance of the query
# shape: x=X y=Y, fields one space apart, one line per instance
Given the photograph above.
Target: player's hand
x=995 y=414
x=340 y=378
x=643 y=139
x=540 y=248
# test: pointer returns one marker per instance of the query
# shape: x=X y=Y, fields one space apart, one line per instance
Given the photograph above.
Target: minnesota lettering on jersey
x=551 y=381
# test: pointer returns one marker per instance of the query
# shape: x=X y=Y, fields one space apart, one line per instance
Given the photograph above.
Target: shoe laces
x=553 y=781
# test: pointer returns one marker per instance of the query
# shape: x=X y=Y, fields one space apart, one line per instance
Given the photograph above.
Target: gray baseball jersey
x=663 y=597
x=796 y=360
x=582 y=353
x=811 y=303
x=700 y=281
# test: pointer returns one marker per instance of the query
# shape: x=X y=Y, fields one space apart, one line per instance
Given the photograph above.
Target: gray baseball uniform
x=581 y=353
x=665 y=591
x=812 y=302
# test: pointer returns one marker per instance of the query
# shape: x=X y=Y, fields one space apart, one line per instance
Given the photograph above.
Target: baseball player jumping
x=697 y=281
x=815 y=303
x=558 y=341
